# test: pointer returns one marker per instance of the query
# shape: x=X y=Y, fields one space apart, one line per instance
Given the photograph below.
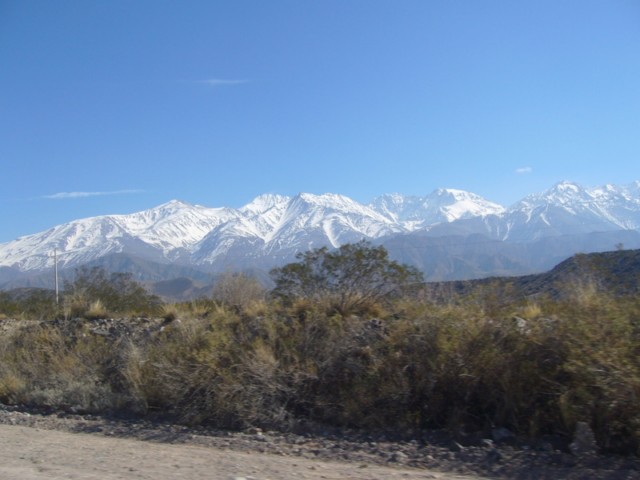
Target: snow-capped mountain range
x=271 y=229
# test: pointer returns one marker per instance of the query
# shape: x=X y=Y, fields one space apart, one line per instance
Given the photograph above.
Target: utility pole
x=55 y=267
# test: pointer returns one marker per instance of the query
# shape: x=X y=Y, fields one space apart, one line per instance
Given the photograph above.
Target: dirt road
x=57 y=445
x=35 y=454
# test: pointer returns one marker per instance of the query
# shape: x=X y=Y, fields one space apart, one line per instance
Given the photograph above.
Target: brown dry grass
x=534 y=368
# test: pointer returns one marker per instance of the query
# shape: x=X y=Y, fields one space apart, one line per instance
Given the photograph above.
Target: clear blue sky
x=214 y=102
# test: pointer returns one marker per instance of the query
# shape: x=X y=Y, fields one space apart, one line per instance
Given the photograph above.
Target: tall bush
x=350 y=279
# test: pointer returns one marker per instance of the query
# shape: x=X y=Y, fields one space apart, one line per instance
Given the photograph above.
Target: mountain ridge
x=272 y=229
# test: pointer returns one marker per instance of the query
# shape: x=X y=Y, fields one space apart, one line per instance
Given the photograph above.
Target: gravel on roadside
x=500 y=457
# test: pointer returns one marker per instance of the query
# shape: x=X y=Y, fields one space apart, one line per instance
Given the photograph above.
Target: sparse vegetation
x=31 y=304
x=238 y=290
x=472 y=363
x=95 y=293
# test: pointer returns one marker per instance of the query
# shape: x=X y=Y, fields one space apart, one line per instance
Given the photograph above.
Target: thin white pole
x=55 y=263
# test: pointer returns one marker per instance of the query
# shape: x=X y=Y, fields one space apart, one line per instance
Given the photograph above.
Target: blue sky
x=135 y=103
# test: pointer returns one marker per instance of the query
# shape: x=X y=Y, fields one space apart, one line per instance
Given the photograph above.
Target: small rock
x=260 y=437
x=398 y=457
x=493 y=456
x=584 y=441
x=487 y=443
x=455 y=447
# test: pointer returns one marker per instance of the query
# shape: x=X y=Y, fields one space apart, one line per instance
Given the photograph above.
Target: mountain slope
x=613 y=272
x=162 y=233
x=268 y=230
x=478 y=237
x=441 y=206
x=568 y=208
x=564 y=209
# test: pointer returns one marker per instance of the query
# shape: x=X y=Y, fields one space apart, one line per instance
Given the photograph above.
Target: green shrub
x=351 y=279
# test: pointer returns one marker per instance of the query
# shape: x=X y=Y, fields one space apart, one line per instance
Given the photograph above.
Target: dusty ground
x=33 y=454
x=63 y=446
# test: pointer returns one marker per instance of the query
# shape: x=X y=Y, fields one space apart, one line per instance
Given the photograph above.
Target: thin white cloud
x=222 y=82
x=524 y=170
x=67 y=195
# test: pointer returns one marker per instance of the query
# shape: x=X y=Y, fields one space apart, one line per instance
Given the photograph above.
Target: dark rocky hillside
x=615 y=272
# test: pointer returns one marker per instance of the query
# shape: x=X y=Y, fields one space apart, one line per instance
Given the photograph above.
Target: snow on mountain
x=273 y=228
x=622 y=203
x=282 y=226
x=566 y=195
x=159 y=234
x=568 y=208
x=335 y=217
x=265 y=204
x=265 y=211
x=442 y=205
x=220 y=243
x=81 y=240
x=174 y=225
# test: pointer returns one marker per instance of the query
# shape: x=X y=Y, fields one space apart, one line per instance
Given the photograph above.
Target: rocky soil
x=502 y=456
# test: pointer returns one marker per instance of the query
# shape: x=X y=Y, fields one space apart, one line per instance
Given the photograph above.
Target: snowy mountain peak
x=561 y=193
x=564 y=185
x=392 y=198
x=568 y=208
x=441 y=205
x=456 y=204
x=173 y=204
x=565 y=189
x=263 y=203
x=164 y=210
x=312 y=209
x=451 y=193
x=327 y=200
